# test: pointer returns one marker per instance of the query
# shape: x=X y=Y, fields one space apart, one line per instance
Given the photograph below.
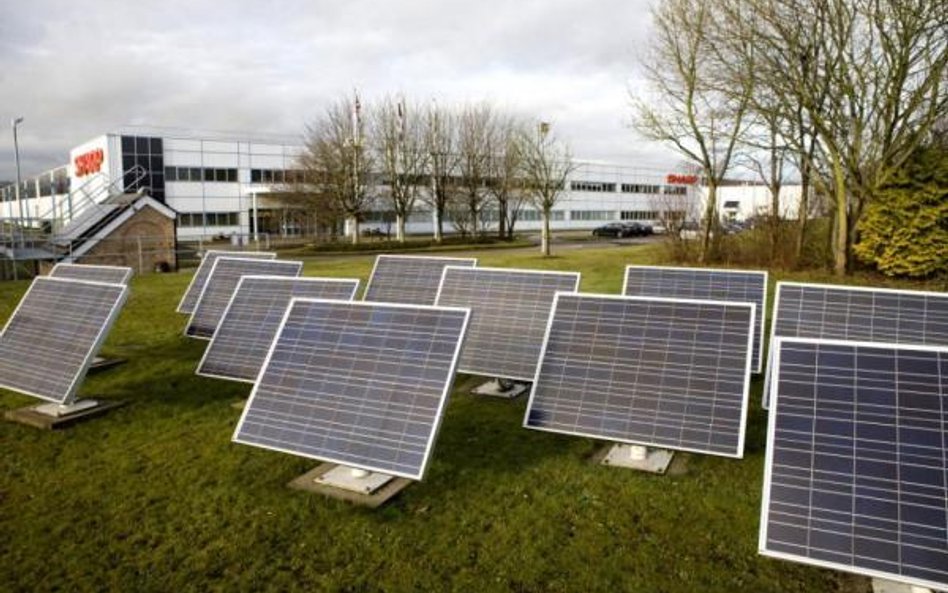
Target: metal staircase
x=72 y=221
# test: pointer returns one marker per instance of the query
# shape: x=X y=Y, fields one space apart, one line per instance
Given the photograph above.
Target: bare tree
x=398 y=137
x=867 y=79
x=441 y=147
x=504 y=167
x=475 y=124
x=766 y=157
x=546 y=165
x=334 y=156
x=692 y=107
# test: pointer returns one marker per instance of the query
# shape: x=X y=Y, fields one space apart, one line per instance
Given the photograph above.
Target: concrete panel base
x=52 y=416
x=371 y=491
x=496 y=388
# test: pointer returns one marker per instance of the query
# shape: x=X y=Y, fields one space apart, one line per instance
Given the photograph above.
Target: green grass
x=155 y=497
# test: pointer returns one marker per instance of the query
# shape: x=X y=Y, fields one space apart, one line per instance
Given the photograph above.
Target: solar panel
x=857 y=313
x=746 y=286
x=356 y=383
x=409 y=279
x=509 y=312
x=855 y=475
x=107 y=274
x=252 y=317
x=193 y=293
x=220 y=286
x=669 y=373
x=53 y=335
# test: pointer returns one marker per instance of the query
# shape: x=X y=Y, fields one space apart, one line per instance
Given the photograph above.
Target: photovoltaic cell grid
x=669 y=373
x=858 y=314
x=243 y=337
x=709 y=284
x=107 y=274
x=193 y=294
x=409 y=279
x=53 y=335
x=220 y=286
x=509 y=312
x=855 y=477
x=360 y=384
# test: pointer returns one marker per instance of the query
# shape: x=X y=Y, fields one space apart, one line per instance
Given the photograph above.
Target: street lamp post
x=16 y=155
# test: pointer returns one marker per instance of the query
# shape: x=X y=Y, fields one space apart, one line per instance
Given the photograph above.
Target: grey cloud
x=75 y=70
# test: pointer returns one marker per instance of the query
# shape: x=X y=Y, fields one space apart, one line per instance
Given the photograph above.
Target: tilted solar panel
x=855 y=474
x=670 y=373
x=509 y=312
x=746 y=286
x=193 y=293
x=360 y=384
x=54 y=333
x=252 y=317
x=857 y=313
x=220 y=286
x=409 y=279
x=107 y=274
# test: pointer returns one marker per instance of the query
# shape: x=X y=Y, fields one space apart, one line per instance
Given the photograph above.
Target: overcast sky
x=75 y=70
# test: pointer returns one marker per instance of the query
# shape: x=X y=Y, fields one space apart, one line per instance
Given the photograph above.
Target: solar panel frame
x=775 y=318
x=745 y=396
x=761 y=315
x=240 y=284
x=460 y=269
x=121 y=274
x=458 y=261
x=70 y=395
x=196 y=285
x=438 y=416
x=197 y=307
x=771 y=450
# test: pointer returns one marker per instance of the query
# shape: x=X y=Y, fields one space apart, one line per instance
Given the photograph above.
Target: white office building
x=227 y=185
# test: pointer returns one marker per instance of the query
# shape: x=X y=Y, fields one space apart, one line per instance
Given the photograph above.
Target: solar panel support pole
x=354 y=479
x=498 y=387
x=61 y=410
x=638 y=457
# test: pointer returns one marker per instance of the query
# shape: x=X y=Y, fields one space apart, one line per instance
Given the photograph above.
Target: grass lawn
x=155 y=497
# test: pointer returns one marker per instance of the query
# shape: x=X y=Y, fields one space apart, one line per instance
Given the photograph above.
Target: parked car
x=613 y=229
x=637 y=229
x=690 y=231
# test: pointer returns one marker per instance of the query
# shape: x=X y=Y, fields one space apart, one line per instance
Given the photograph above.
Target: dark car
x=637 y=229
x=613 y=229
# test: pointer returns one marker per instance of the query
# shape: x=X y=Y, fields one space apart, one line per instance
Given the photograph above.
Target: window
x=735 y=204
x=529 y=215
x=639 y=215
x=171 y=173
x=594 y=186
x=676 y=190
x=592 y=215
x=196 y=219
x=640 y=188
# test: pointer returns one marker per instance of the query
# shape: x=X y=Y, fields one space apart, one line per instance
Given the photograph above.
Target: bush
x=904 y=230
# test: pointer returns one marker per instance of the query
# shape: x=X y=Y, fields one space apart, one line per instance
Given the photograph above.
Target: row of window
x=594 y=186
x=201 y=219
x=628 y=188
x=206 y=174
x=277 y=176
x=639 y=215
x=592 y=215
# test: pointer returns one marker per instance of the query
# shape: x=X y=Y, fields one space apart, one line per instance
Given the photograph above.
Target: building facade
x=224 y=185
